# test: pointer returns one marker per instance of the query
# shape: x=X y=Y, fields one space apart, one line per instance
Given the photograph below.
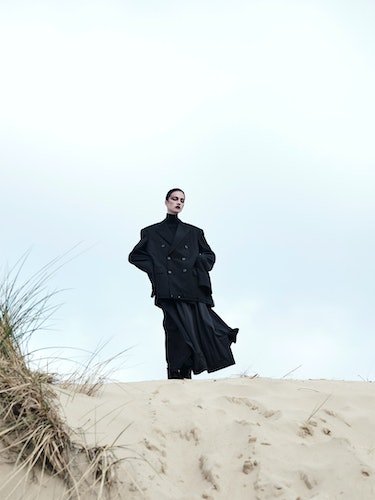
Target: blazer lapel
x=181 y=232
x=163 y=230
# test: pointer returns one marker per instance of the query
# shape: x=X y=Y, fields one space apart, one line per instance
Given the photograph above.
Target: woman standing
x=177 y=259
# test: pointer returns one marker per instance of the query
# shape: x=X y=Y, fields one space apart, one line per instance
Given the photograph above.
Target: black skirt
x=196 y=337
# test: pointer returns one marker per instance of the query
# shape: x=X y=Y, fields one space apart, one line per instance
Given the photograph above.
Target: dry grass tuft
x=33 y=434
x=31 y=426
x=91 y=375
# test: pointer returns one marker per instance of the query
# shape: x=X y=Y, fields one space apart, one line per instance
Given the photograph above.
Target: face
x=175 y=202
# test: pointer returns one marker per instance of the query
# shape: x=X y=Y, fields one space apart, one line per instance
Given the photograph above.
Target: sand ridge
x=238 y=438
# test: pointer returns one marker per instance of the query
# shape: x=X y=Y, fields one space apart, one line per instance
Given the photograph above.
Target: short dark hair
x=171 y=191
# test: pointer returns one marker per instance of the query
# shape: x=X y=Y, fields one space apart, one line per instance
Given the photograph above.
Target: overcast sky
x=263 y=112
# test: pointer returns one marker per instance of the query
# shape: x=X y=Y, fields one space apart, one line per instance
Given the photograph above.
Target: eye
x=182 y=200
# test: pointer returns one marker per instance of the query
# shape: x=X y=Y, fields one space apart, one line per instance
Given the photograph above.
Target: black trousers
x=196 y=339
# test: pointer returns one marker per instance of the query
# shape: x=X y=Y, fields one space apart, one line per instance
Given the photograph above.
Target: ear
x=166 y=203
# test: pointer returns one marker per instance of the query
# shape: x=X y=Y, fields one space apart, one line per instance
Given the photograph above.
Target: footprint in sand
x=336 y=415
x=248 y=466
x=274 y=414
x=309 y=483
x=305 y=431
x=159 y=432
x=207 y=468
x=190 y=435
x=242 y=401
x=153 y=447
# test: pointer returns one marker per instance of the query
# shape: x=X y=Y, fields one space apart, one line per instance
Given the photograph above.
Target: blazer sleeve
x=204 y=263
x=140 y=257
x=206 y=257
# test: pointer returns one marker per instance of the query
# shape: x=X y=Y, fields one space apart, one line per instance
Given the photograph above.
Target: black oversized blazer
x=178 y=265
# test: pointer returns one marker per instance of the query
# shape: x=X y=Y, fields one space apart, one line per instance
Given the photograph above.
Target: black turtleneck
x=172 y=222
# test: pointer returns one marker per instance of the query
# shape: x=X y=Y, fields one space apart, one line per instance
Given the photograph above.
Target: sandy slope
x=238 y=438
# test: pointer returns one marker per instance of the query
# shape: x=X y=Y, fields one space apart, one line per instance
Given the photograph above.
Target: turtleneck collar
x=172 y=219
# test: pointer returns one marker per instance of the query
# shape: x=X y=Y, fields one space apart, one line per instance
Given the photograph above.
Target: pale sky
x=263 y=112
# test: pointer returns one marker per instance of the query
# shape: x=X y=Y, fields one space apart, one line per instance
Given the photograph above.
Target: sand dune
x=239 y=438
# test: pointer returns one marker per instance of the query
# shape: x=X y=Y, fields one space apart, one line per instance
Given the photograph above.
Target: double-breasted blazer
x=177 y=264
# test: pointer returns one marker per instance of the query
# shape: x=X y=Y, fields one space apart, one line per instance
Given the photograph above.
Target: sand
x=237 y=438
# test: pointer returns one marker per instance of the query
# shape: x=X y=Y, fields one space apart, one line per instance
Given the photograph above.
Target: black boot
x=185 y=372
x=173 y=374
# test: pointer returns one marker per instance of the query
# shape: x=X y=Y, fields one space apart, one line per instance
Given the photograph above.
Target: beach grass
x=33 y=433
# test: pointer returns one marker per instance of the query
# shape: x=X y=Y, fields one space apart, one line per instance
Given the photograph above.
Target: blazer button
x=183 y=258
x=169 y=271
x=162 y=245
x=184 y=270
x=186 y=246
x=168 y=258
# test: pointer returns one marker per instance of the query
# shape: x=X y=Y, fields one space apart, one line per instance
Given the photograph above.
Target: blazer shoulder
x=160 y=225
x=151 y=227
x=190 y=226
